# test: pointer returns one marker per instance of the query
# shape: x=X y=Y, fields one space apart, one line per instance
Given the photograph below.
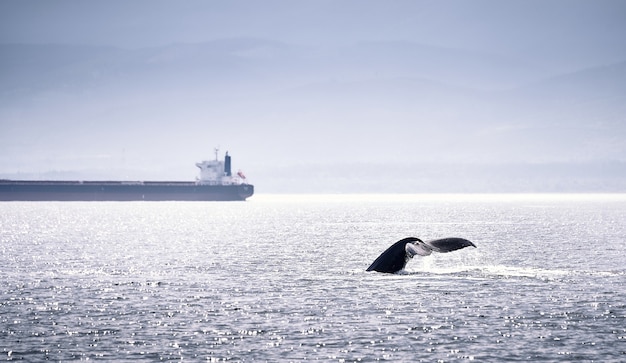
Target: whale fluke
x=448 y=244
x=395 y=257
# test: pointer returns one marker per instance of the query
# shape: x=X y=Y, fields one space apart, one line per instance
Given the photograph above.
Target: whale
x=395 y=258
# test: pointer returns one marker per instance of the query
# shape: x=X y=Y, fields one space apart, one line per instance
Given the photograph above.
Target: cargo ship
x=216 y=182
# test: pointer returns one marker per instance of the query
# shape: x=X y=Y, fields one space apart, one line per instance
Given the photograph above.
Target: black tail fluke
x=448 y=244
x=395 y=257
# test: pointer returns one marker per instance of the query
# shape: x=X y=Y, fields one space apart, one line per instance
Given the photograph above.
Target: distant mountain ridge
x=30 y=63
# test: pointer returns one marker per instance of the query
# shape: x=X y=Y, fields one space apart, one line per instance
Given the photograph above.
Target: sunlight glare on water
x=282 y=278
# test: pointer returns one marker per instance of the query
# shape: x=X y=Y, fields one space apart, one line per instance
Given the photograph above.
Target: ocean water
x=282 y=278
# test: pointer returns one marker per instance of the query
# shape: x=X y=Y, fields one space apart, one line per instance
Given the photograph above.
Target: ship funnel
x=227 y=170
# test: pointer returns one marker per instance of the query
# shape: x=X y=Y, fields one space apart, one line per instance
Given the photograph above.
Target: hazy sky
x=507 y=26
x=292 y=84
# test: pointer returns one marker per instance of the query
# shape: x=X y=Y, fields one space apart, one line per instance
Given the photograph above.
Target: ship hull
x=120 y=191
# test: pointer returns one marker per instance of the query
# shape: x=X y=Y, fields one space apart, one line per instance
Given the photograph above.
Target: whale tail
x=395 y=258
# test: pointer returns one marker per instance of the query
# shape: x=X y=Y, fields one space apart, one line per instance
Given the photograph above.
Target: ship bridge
x=218 y=172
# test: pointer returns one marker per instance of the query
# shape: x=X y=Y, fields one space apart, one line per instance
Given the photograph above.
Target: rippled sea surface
x=282 y=278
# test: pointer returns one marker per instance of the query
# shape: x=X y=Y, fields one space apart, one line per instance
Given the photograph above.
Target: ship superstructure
x=217 y=172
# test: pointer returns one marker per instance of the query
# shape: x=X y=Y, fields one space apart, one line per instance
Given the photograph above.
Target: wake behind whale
x=396 y=257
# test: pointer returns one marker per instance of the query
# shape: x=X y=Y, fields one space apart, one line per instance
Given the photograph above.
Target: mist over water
x=282 y=278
